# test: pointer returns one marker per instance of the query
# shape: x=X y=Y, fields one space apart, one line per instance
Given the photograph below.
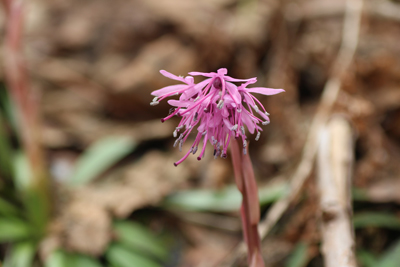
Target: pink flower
x=216 y=107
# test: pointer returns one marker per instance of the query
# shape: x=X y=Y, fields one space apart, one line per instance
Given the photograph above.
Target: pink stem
x=250 y=209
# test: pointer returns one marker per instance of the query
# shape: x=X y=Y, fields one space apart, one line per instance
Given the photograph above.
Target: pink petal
x=169 y=89
x=222 y=71
x=230 y=79
x=172 y=76
x=196 y=73
x=178 y=103
x=248 y=121
x=232 y=89
x=264 y=91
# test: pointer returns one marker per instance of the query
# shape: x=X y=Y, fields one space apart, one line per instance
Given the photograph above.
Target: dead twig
x=335 y=160
x=331 y=90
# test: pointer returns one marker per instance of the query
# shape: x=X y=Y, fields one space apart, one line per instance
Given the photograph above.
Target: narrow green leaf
x=391 y=258
x=99 y=157
x=57 y=258
x=137 y=236
x=120 y=256
x=7 y=208
x=224 y=200
x=22 y=255
x=12 y=229
x=22 y=171
x=375 y=219
x=299 y=256
x=367 y=259
x=5 y=150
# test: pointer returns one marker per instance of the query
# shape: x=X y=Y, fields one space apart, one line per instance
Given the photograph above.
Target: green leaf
x=5 y=150
x=12 y=229
x=22 y=255
x=7 y=208
x=224 y=200
x=84 y=261
x=367 y=259
x=99 y=157
x=57 y=258
x=137 y=236
x=120 y=256
x=375 y=219
x=359 y=194
x=22 y=171
x=299 y=256
x=391 y=258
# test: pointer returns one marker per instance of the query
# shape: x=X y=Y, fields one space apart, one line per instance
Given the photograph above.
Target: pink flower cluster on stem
x=217 y=108
x=220 y=110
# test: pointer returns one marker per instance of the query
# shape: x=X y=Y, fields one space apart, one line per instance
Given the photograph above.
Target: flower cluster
x=217 y=107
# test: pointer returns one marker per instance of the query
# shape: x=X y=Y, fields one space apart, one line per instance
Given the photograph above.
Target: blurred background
x=86 y=167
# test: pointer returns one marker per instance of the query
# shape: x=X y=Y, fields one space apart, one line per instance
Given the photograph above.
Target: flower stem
x=250 y=209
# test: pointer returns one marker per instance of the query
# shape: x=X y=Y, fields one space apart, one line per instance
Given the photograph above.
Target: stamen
x=234 y=127
x=239 y=110
x=195 y=150
x=154 y=103
x=266 y=113
x=195 y=116
x=244 y=143
x=176 y=142
x=204 y=133
x=258 y=136
x=214 y=141
x=244 y=151
x=180 y=145
x=242 y=128
x=155 y=99
x=220 y=104
x=265 y=122
x=175 y=134
x=256 y=108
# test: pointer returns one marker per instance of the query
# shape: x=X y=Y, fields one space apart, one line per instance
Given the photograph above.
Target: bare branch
x=335 y=160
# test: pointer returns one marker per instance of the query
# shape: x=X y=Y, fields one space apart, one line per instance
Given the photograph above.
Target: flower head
x=217 y=108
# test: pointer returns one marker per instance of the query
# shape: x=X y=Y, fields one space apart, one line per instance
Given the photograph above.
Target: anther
x=194 y=150
x=258 y=136
x=176 y=142
x=204 y=133
x=214 y=141
x=239 y=110
x=220 y=104
x=256 y=108
x=245 y=143
x=154 y=103
x=266 y=113
x=265 y=122
x=242 y=128
x=180 y=145
x=195 y=116
x=175 y=134
x=244 y=151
